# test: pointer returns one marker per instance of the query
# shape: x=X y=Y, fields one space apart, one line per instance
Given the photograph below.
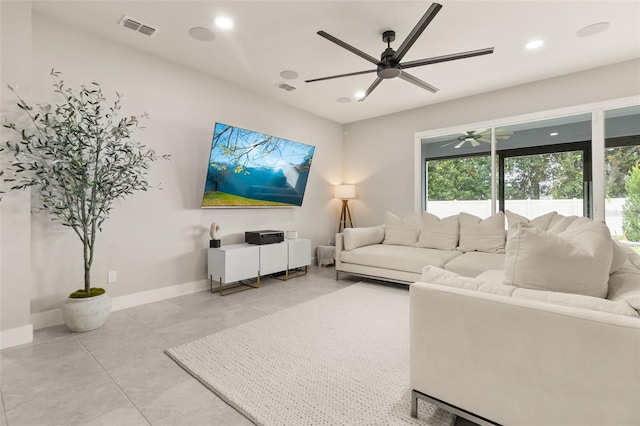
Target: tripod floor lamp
x=345 y=193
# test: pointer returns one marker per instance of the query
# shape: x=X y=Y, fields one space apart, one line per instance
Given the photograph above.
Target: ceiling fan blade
x=445 y=58
x=413 y=80
x=349 y=47
x=339 y=76
x=417 y=31
x=370 y=89
x=474 y=143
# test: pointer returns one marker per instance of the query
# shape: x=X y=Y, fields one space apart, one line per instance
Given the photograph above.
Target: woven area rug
x=339 y=359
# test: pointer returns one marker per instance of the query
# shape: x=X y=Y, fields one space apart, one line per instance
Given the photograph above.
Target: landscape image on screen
x=251 y=169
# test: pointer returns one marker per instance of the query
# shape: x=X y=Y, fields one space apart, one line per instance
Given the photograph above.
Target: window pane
x=459 y=184
x=542 y=183
x=546 y=164
x=457 y=173
x=622 y=174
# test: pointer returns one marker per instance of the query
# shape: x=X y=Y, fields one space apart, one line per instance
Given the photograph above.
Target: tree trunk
x=87 y=267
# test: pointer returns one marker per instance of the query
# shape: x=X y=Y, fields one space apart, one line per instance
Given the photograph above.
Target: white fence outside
x=530 y=209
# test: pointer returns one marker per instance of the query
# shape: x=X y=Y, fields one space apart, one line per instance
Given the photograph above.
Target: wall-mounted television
x=251 y=169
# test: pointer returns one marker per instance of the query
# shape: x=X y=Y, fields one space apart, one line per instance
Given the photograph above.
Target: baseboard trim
x=54 y=316
x=16 y=336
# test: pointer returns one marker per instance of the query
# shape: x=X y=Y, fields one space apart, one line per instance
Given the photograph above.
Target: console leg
x=414 y=404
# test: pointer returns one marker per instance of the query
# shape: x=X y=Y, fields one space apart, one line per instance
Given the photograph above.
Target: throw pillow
x=439 y=233
x=401 y=231
x=359 y=237
x=575 y=261
x=485 y=235
x=560 y=223
x=541 y=222
x=624 y=284
x=620 y=256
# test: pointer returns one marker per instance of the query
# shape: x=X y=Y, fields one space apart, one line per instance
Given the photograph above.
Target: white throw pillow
x=560 y=223
x=359 y=237
x=401 y=231
x=620 y=256
x=575 y=261
x=540 y=222
x=624 y=284
x=482 y=235
x=436 y=233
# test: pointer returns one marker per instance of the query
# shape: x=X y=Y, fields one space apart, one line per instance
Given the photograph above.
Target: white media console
x=239 y=262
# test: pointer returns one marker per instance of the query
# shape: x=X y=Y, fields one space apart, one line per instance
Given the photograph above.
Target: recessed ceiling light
x=223 y=22
x=289 y=75
x=202 y=34
x=553 y=134
x=592 y=29
x=534 y=44
x=359 y=95
x=344 y=100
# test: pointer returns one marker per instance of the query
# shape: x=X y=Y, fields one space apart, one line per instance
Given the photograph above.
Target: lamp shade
x=345 y=192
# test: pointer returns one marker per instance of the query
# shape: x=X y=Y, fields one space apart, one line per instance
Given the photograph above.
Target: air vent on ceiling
x=138 y=26
x=285 y=86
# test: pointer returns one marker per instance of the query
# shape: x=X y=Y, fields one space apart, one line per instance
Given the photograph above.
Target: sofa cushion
x=485 y=235
x=620 y=307
x=439 y=233
x=541 y=222
x=400 y=258
x=358 y=237
x=624 y=284
x=492 y=276
x=436 y=275
x=401 y=231
x=576 y=260
x=473 y=263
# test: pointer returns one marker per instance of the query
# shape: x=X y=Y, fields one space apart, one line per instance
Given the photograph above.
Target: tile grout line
x=112 y=380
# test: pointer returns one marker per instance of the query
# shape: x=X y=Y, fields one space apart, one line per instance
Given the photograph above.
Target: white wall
x=15 y=230
x=379 y=152
x=159 y=238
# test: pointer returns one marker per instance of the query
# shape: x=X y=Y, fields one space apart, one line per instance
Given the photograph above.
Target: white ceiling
x=273 y=36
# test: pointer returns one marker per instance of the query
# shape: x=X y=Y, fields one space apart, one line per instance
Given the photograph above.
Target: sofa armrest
x=339 y=249
x=516 y=361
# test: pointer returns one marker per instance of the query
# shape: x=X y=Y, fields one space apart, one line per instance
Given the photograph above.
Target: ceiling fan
x=389 y=65
x=474 y=137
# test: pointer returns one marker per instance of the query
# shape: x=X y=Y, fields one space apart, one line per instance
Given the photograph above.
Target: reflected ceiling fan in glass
x=474 y=137
x=389 y=65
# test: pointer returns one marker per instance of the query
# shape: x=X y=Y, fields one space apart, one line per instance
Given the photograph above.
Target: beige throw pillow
x=575 y=261
x=401 y=231
x=540 y=222
x=624 y=284
x=482 y=235
x=359 y=237
x=439 y=233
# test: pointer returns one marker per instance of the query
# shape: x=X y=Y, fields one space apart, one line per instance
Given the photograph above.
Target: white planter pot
x=86 y=314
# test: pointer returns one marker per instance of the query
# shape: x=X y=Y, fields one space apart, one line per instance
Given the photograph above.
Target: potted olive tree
x=80 y=158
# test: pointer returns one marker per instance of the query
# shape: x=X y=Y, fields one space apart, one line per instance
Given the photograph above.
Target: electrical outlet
x=112 y=277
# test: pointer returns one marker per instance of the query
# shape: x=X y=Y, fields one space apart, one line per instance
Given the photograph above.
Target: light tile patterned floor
x=119 y=374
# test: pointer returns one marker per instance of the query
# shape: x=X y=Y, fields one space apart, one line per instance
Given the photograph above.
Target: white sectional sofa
x=543 y=329
x=398 y=250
